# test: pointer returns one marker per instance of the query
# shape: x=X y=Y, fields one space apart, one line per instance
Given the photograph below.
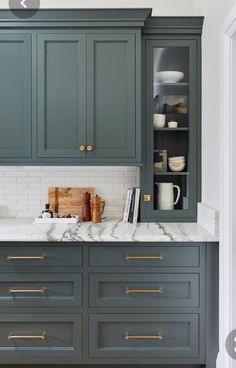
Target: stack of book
x=131 y=211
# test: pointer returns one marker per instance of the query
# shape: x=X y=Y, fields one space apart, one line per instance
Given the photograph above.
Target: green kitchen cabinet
x=171 y=189
x=15 y=95
x=61 y=95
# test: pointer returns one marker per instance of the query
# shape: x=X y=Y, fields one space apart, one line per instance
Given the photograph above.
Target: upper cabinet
x=171 y=174
x=15 y=95
x=61 y=95
x=80 y=100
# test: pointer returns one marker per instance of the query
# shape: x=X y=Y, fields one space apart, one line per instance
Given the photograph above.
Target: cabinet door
x=15 y=95
x=111 y=95
x=61 y=95
x=172 y=130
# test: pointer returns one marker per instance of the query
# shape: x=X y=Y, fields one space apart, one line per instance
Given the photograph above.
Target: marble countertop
x=108 y=230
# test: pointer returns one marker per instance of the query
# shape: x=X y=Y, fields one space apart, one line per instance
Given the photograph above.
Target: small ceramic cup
x=159 y=120
x=172 y=124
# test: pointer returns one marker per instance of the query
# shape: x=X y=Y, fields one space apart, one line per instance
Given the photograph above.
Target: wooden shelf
x=172 y=173
x=182 y=129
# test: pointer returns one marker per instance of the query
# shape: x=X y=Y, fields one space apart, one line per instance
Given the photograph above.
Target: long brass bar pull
x=29 y=291
x=128 y=258
x=143 y=337
x=22 y=258
x=27 y=337
x=143 y=291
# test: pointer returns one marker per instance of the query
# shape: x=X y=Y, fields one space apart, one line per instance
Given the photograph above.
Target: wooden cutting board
x=67 y=201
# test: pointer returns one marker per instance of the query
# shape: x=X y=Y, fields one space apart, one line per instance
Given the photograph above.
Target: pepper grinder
x=96 y=210
x=86 y=209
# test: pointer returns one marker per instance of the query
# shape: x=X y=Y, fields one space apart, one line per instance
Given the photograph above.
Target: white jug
x=165 y=199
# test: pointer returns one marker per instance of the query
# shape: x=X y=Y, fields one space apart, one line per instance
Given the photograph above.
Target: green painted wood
x=111 y=95
x=15 y=95
x=111 y=290
x=58 y=290
x=52 y=257
x=61 y=95
x=63 y=335
x=180 y=335
x=116 y=256
x=148 y=211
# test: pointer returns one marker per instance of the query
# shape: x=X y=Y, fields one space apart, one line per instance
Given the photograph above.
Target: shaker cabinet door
x=61 y=95
x=111 y=96
x=15 y=95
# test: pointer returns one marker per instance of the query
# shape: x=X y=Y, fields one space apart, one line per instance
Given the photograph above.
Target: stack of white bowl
x=177 y=163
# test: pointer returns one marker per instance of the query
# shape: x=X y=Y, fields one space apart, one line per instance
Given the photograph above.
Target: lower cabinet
x=96 y=304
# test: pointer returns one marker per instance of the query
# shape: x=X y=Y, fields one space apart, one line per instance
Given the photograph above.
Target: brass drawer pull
x=142 y=291
x=128 y=258
x=27 y=337
x=143 y=337
x=82 y=148
x=20 y=258
x=22 y=291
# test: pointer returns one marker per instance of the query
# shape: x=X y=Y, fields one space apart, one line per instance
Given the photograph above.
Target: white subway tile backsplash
x=23 y=189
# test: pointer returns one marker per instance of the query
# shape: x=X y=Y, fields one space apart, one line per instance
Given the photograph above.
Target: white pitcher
x=165 y=199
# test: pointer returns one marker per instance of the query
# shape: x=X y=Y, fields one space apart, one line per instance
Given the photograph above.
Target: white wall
x=160 y=7
x=214 y=11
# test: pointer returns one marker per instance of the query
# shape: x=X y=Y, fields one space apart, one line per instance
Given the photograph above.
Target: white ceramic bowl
x=169 y=76
x=177 y=158
x=177 y=166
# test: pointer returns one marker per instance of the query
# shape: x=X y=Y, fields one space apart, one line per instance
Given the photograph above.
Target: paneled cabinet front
x=15 y=95
x=87 y=96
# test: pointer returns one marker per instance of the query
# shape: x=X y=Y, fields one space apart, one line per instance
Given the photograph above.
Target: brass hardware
x=16 y=258
x=142 y=291
x=22 y=291
x=89 y=148
x=147 y=198
x=82 y=148
x=27 y=337
x=127 y=258
x=143 y=337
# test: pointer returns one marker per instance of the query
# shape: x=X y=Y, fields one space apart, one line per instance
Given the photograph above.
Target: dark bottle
x=86 y=209
x=47 y=213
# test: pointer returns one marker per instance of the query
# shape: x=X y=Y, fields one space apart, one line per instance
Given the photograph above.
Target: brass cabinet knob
x=89 y=148
x=82 y=148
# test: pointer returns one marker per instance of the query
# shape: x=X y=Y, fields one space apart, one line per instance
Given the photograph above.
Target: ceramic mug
x=173 y=124
x=159 y=120
x=165 y=199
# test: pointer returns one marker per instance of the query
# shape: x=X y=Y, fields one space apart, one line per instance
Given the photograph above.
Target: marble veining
x=110 y=230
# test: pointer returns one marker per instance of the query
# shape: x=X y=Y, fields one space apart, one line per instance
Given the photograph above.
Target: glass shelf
x=172 y=173
x=181 y=129
x=171 y=84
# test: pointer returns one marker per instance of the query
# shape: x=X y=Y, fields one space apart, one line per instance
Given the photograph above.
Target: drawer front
x=36 y=256
x=144 y=290
x=37 y=289
x=154 y=335
x=40 y=336
x=146 y=256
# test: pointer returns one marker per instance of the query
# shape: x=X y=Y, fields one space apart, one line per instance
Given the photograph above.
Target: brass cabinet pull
x=82 y=148
x=23 y=291
x=20 y=258
x=27 y=337
x=127 y=258
x=143 y=291
x=143 y=337
x=89 y=148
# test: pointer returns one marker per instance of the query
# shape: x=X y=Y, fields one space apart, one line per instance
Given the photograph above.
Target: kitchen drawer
x=140 y=335
x=39 y=256
x=40 y=335
x=144 y=290
x=146 y=256
x=40 y=289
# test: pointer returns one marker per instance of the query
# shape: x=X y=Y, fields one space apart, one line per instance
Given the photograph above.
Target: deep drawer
x=36 y=256
x=146 y=256
x=144 y=290
x=40 y=335
x=37 y=289
x=154 y=335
